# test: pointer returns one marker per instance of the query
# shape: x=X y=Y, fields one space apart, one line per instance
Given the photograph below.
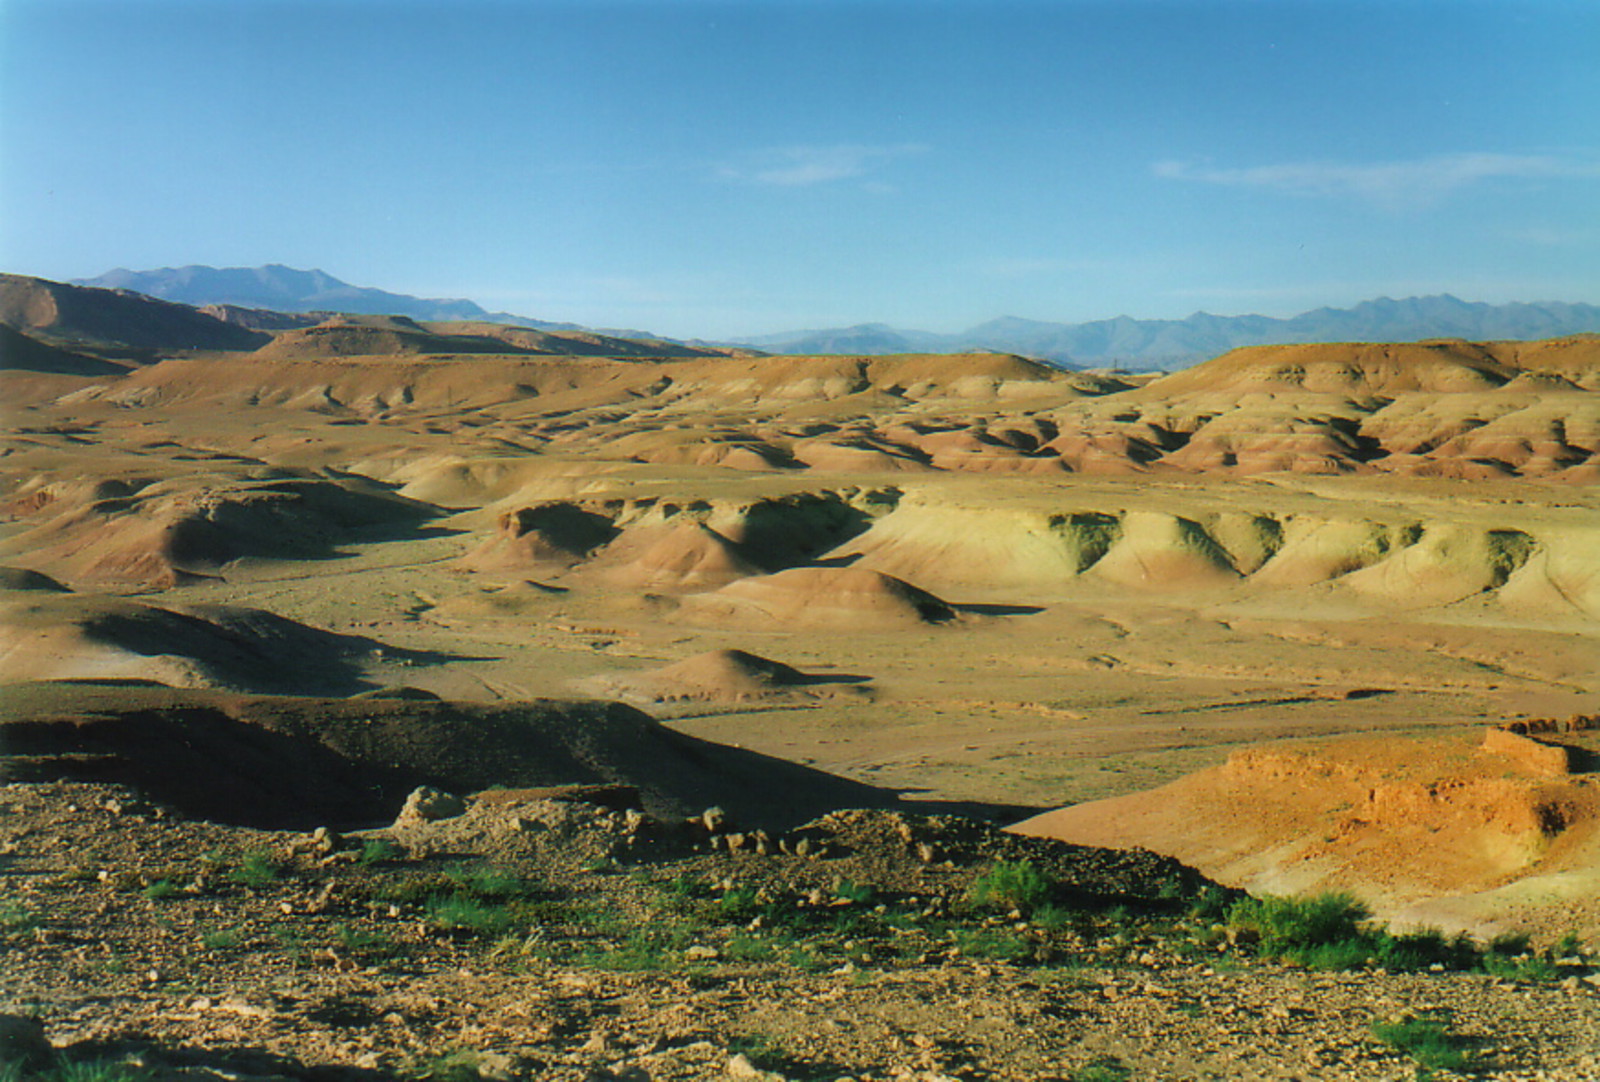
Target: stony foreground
x=520 y=936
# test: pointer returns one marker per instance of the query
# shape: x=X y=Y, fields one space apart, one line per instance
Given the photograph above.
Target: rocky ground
x=564 y=935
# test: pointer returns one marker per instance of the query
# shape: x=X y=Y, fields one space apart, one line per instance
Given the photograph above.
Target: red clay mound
x=1438 y=830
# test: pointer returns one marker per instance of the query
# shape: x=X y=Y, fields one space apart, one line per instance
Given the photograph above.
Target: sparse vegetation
x=1012 y=885
x=1103 y=1069
x=378 y=851
x=993 y=944
x=256 y=869
x=64 y=1070
x=457 y=1065
x=16 y=917
x=221 y=939
x=1427 y=1041
x=1333 y=931
x=159 y=889
x=1299 y=928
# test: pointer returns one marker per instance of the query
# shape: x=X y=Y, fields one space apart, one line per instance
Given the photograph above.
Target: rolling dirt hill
x=99 y=318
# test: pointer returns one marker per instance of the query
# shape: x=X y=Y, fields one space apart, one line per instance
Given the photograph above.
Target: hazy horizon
x=715 y=170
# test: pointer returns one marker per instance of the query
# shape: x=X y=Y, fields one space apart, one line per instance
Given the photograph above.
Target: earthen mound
x=1447 y=563
x=552 y=535
x=153 y=532
x=372 y=336
x=687 y=555
x=825 y=597
x=1443 y=830
x=1158 y=551
x=725 y=677
x=52 y=636
x=1353 y=368
x=22 y=580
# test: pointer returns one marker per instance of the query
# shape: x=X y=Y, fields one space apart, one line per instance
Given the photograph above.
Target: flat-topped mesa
x=1516 y=741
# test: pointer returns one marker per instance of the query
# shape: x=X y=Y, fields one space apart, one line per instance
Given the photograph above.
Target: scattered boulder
x=427 y=804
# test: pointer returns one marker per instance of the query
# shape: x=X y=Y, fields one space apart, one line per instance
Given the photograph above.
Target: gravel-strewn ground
x=550 y=940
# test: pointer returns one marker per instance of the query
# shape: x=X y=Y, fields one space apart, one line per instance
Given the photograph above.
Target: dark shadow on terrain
x=296 y=763
x=1001 y=610
x=793 y=530
x=806 y=679
x=998 y=813
x=100 y=1059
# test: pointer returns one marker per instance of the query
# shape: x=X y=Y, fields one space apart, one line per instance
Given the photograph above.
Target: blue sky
x=718 y=169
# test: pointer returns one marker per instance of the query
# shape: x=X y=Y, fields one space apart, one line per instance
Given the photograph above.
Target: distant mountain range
x=1124 y=342
x=1145 y=344
x=284 y=289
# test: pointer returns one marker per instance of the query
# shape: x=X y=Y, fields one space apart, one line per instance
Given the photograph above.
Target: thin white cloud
x=1399 y=183
x=804 y=166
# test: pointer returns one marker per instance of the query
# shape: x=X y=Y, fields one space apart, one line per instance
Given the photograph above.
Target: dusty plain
x=970 y=584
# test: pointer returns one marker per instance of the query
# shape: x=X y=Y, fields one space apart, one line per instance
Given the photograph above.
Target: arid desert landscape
x=390 y=699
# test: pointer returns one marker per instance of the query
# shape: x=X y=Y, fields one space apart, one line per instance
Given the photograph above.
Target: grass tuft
x=1018 y=885
x=1427 y=1041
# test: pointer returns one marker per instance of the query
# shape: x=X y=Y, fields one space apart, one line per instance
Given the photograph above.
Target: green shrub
x=160 y=889
x=993 y=944
x=489 y=882
x=643 y=951
x=454 y=1066
x=1509 y=944
x=1052 y=918
x=1422 y=949
x=749 y=949
x=16 y=917
x=851 y=891
x=1286 y=927
x=221 y=939
x=379 y=850
x=1527 y=967
x=460 y=913
x=739 y=904
x=1427 y=1041
x=1104 y=1069
x=1018 y=885
x=83 y=1071
x=361 y=939
x=256 y=869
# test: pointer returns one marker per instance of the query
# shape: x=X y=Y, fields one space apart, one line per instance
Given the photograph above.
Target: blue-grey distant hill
x=285 y=289
x=1144 y=344
x=1124 y=342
